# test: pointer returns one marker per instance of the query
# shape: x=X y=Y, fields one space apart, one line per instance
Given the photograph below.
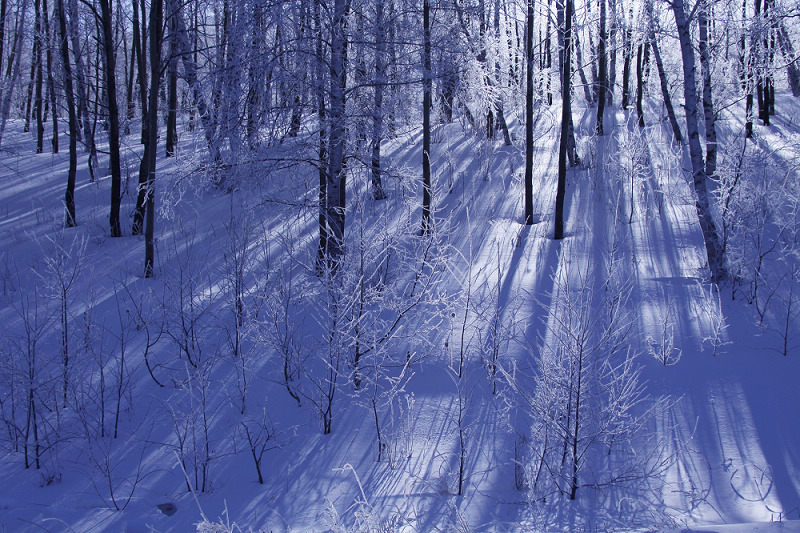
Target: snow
x=729 y=433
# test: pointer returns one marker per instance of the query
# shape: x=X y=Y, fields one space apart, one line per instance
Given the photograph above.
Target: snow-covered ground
x=721 y=448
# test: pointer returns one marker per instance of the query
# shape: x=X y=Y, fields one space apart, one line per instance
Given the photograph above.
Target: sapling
x=63 y=261
x=717 y=325
x=662 y=347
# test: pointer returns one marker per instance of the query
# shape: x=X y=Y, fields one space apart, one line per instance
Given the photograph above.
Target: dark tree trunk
x=640 y=84
x=69 y=196
x=336 y=185
x=627 y=52
x=322 y=250
x=38 y=100
x=3 y=11
x=602 y=74
x=426 y=118
x=36 y=56
x=156 y=20
x=51 y=84
x=113 y=118
x=561 y=190
x=662 y=75
x=140 y=44
x=529 y=114
x=172 y=87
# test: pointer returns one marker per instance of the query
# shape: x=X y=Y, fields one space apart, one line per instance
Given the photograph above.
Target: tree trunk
x=662 y=75
x=561 y=190
x=612 y=60
x=529 y=114
x=708 y=101
x=3 y=11
x=791 y=60
x=587 y=89
x=37 y=99
x=69 y=196
x=137 y=227
x=156 y=20
x=602 y=74
x=51 y=85
x=172 y=87
x=699 y=177
x=82 y=89
x=113 y=118
x=377 y=113
x=336 y=185
x=13 y=70
x=640 y=84
x=426 y=118
x=190 y=75
x=627 y=51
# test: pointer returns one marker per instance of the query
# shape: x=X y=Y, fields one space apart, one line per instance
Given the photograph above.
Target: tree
x=566 y=116
x=529 y=113
x=335 y=190
x=69 y=195
x=699 y=176
x=110 y=73
x=426 y=117
x=602 y=78
x=156 y=21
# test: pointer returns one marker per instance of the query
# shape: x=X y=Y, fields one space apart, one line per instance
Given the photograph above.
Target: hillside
x=224 y=361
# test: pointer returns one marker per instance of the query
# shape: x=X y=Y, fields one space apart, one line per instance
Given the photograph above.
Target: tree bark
x=426 y=118
x=558 y=232
x=172 y=87
x=377 y=113
x=336 y=180
x=69 y=195
x=699 y=177
x=602 y=74
x=791 y=60
x=37 y=99
x=612 y=60
x=662 y=75
x=529 y=114
x=640 y=84
x=708 y=101
x=51 y=89
x=113 y=118
x=156 y=20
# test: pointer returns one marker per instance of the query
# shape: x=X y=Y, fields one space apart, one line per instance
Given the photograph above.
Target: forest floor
x=727 y=440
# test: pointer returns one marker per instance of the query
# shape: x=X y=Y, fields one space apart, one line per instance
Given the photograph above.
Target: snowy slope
x=727 y=435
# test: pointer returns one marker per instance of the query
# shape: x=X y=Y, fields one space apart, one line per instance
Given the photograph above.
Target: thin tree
x=69 y=95
x=708 y=100
x=426 y=117
x=566 y=114
x=529 y=113
x=110 y=70
x=37 y=99
x=377 y=113
x=156 y=21
x=172 y=86
x=662 y=75
x=602 y=75
x=699 y=176
x=336 y=177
